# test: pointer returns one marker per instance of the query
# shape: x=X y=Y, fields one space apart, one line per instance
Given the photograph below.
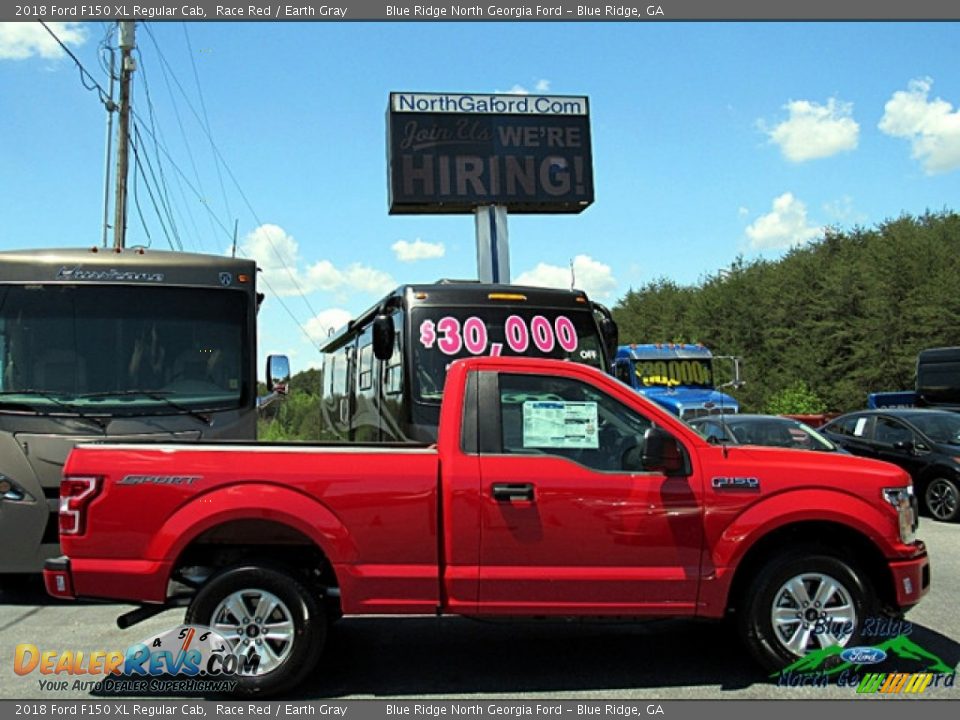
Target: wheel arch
x=266 y=523
x=823 y=537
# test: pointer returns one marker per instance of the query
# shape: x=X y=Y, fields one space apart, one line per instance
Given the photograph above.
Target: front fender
x=814 y=505
x=724 y=552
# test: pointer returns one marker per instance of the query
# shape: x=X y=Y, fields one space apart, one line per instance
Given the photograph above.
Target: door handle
x=510 y=492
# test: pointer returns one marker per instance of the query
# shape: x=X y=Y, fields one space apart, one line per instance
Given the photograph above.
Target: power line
x=219 y=159
x=168 y=74
x=227 y=232
x=162 y=183
x=84 y=74
x=135 y=146
x=206 y=118
x=161 y=191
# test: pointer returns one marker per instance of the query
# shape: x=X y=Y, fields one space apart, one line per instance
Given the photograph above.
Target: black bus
x=383 y=374
x=938 y=378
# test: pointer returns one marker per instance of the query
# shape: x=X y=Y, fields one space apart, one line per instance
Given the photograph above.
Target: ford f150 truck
x=552 y=490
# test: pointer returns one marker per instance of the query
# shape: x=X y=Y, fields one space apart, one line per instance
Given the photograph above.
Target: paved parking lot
x=453 y=657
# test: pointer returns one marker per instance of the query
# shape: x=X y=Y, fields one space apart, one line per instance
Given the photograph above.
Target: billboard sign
x=450 y=153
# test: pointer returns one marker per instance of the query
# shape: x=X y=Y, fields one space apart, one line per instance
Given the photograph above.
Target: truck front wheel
x=804 y=604
x=269 y=620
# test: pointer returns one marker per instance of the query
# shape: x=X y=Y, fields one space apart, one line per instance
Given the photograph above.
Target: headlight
x=903 y=499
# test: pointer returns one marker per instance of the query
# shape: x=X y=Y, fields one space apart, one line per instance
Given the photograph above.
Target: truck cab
x=677 y=376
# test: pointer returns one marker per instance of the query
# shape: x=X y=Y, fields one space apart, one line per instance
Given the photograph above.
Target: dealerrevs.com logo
x=190 y=659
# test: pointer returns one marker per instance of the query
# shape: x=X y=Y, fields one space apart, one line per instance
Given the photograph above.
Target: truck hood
x=676 y=400
x=782 y=469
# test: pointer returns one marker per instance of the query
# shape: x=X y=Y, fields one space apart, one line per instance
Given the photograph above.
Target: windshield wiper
x=158 y=395
x=47 y=395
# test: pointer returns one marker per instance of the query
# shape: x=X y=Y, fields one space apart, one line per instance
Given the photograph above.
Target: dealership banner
x=542 y=709
x=495 y=10
x=454 y=152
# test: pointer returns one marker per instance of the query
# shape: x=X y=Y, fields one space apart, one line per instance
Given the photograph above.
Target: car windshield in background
x=766 y=430
x=941 y=427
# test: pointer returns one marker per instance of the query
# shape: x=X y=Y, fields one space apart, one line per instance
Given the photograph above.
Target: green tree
x=796 y=399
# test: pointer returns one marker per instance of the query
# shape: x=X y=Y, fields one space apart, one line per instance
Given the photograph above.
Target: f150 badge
x=736 y=483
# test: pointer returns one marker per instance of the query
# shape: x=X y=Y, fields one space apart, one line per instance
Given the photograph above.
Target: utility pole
x=127 y=66
x=111 y=108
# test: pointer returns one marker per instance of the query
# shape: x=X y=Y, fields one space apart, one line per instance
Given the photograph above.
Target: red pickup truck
x=553 y=489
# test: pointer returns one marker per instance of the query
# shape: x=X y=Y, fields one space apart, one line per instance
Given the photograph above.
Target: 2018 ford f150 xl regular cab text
x=553 y=490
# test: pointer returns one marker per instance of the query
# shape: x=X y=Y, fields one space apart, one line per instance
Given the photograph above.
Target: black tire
x=287 y=661
x=777 y=644
x=941 y=499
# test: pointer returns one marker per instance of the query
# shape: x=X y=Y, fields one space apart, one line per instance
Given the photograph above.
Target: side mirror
x=662 y=453
x=611 y=336
x=384 y=335
x=278 y=374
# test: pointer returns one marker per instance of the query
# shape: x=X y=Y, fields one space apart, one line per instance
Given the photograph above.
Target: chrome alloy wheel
x=256 y=622
x=813 y=611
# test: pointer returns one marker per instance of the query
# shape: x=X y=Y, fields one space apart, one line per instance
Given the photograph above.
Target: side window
x=393 y=379
x=858 y=426
x=366 y=367
x=567 y=418
x=331 y=371
x=623 y=372
x=889 y=431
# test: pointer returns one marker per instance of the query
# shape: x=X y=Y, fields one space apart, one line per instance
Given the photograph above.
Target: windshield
x=768 y=431
x=443 y=335
x=121 y=350
x=686 y=372
x=939 y=427
x=939 y=382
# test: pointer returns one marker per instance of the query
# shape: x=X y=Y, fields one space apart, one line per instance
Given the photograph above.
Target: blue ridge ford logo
x=863 y=655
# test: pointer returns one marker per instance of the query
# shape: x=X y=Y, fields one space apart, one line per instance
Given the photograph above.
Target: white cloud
x=590 y=275
x=931 y=126
x=815 y=131
x=278 y=257
x=417 y=250
x=319 y=327
x=22 y=40
x=784 y=226
x=541 y=86
x=368 y=279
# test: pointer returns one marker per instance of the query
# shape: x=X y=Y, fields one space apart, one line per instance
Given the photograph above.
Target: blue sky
x=709 y=140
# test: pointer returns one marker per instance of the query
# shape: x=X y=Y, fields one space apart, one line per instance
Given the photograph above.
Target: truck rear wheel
x=266 y=614
x=803 y=604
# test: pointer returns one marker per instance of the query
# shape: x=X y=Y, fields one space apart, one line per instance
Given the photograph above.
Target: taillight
x=75 y=494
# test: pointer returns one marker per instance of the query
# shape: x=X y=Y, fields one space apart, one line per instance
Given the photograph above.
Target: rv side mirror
x=662 y=453
x=384 y=335
x=278 y=374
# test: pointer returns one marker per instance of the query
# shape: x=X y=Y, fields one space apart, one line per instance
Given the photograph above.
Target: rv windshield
x=123 y=350
x=442 y=335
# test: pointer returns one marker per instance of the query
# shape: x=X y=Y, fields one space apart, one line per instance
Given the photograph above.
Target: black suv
x=925 y=443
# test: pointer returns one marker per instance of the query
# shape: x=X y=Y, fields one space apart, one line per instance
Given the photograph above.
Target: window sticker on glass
x=861 y=424
x=560 y=424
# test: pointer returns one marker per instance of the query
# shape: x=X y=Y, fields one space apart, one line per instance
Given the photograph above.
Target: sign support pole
x=493 y=245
